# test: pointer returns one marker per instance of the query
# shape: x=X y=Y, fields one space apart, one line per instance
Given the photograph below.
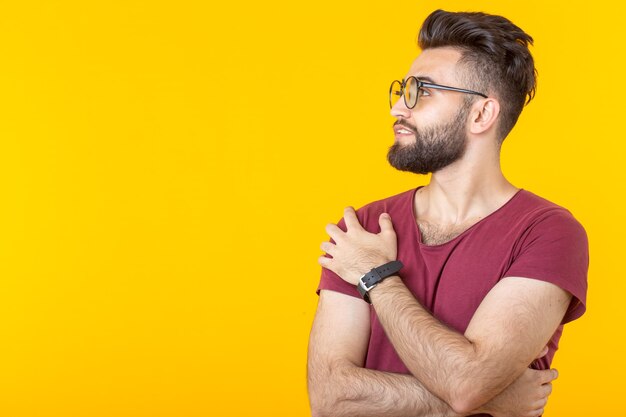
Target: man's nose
x=400 y=109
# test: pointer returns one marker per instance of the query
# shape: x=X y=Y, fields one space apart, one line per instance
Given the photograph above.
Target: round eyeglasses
x=412 y=88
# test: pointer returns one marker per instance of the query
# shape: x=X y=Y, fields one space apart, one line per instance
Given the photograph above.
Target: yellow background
x=167 y=169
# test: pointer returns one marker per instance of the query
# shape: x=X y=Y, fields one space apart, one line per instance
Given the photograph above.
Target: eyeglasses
x=412 y=88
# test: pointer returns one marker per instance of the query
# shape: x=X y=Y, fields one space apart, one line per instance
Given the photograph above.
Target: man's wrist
x=375 y=276
x=385 y=285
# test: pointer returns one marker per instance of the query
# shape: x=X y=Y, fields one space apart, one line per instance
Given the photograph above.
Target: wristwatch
x=376 y=275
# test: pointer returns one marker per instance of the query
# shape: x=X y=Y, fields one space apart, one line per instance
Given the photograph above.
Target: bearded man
x=449 y=299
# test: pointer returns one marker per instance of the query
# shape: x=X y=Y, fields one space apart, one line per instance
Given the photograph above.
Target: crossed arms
x=483 y=370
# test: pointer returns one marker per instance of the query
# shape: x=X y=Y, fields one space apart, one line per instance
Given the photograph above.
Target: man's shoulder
x=389 y=204
x=534 y=209
x=391 y=201
x=398 y=206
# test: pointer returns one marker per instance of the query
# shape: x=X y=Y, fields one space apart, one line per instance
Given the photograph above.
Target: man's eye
x=423 y=92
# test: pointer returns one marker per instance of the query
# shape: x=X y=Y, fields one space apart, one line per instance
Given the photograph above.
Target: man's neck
x=463 y=193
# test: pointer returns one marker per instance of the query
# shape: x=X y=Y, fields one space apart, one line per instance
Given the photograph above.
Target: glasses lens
x=411 y=91
x=395 y=92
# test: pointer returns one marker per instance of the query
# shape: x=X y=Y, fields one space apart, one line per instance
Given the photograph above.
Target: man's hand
x=357 y=251
x=527 y=396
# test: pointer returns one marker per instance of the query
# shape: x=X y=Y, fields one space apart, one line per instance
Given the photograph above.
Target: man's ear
x=484 y=115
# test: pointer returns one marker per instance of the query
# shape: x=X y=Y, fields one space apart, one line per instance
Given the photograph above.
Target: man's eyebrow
x=424 y=78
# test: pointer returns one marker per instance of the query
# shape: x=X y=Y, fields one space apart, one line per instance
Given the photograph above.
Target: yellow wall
x=167 y=168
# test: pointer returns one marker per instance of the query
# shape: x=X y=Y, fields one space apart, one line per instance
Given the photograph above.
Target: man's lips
x=400 y=130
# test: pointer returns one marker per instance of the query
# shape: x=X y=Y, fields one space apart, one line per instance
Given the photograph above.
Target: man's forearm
x=348 y=390
x=442 y=358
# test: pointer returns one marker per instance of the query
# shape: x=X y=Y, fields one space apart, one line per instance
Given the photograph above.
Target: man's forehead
x=436 y=65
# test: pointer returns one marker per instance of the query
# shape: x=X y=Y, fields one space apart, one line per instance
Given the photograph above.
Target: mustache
x=406 y=125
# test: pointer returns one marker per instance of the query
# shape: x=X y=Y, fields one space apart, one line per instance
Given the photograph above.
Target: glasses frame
x=423 y=84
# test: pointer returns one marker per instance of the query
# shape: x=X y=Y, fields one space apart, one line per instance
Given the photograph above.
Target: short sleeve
x=555 y=249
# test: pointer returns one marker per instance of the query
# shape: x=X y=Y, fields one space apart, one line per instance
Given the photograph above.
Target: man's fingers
x=385 y=223
x=328 y=247
x=334 y=231
x=543 y=353
x=548 y=375
x=325 y=261
x=352 y=221
x=556 y=374
x=541 y=403
x=546 y=389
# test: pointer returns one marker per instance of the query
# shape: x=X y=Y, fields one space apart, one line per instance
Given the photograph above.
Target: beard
x=435 y=147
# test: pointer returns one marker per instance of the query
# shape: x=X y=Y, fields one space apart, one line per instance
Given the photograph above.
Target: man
x=470 y=279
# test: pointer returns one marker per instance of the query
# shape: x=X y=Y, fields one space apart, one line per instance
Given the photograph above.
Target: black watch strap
x=376 y=275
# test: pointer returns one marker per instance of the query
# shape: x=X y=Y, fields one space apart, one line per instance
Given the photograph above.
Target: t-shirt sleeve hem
x=338 y=285
x=576 y=307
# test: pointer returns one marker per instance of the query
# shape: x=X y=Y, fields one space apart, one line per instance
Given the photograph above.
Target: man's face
x=432 y=135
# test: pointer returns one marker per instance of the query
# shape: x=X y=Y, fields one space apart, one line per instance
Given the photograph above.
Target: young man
x=436 y=301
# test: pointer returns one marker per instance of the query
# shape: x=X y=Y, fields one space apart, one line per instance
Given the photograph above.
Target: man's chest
x=434 y=234
x=453 y=278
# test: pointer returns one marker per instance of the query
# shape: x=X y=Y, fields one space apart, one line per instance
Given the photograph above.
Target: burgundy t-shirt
x=527 y=237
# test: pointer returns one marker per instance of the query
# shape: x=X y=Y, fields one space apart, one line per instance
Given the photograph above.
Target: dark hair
x=495 y=53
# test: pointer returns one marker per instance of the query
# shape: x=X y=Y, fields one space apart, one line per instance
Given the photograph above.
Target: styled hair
x=494 y=53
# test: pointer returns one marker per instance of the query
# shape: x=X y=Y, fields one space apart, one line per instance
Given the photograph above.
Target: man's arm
x=513 y=324
x=337 y=382
x=340 y=386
